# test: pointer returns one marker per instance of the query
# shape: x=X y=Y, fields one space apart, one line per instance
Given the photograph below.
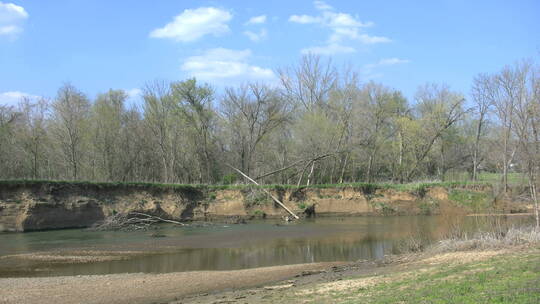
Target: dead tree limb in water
x=267 y=192
x=131 y=221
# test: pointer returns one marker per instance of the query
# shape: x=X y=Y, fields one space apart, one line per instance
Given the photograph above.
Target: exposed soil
x=43 y=206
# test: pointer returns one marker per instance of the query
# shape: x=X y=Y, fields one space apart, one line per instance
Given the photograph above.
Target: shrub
x=229 y=179
x=259 y=214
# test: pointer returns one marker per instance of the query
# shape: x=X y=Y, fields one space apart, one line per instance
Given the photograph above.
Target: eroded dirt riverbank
x=54 y=205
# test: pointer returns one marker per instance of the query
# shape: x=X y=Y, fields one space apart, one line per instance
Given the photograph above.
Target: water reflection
x=276 y=253
x=244 y=246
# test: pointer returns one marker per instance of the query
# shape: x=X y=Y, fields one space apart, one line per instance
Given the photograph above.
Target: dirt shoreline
x=143 y=288
x=354 y=278
x=257 y=285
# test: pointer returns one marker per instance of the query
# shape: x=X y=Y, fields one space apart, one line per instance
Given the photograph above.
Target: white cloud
x=368 y=70
x=11 y=98
x=329 y=49
x=257 y=20
x=366 y=39
x=10 y=12
x=11 y=18
x=344 y=28
x=10 y=30
x=305 y=19
x=321 y=5
x=225 y=66
x=193 y=24
x=256 y=37
x=134 y=93
x=392 y=61
x=386 y=62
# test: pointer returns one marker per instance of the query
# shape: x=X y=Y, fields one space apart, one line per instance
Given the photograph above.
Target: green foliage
x=229 y=179
x=259 y=213
x=475 y=200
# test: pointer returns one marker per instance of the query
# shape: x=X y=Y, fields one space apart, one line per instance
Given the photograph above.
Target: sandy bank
x=142 y=288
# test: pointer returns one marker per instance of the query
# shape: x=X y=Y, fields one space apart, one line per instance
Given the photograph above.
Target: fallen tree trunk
x=267 y=192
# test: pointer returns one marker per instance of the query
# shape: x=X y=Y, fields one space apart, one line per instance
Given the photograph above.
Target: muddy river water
x=226 y=246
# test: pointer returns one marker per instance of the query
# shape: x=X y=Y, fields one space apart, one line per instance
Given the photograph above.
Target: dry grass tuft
x=522 y=236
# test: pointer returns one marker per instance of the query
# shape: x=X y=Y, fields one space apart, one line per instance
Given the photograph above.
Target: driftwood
x=267 y=192
x=131 y=221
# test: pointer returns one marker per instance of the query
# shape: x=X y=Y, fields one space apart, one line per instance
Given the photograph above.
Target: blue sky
x=98 y=44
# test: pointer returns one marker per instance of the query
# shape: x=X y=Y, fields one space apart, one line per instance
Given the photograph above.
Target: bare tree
x=310 y=82
x=482 y=97
x=194 y=103
x=8 y=118
x=159 y=109
x=252 y=112
x=526 y=118
x=505 y=93
x=108 y=112
x=438 y=109
x=71 y=111
x=33 y=131
x=378 y=107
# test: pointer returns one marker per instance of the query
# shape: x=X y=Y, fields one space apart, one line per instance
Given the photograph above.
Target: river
x=256 y=244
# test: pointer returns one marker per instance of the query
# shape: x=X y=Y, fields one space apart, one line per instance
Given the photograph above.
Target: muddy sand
x=143 y=288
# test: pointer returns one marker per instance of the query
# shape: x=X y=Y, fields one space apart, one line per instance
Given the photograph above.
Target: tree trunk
x=369 y=168
x=343 y=168
x=477 y=147
x=310 y=173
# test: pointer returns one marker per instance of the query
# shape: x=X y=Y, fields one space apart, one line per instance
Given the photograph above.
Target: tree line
x=321 y=124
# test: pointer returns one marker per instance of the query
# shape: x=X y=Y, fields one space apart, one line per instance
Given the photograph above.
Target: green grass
x=514 y=179
x=302 y=205
x=259 y=214
x=367 y=188
x=98 y=184
x=493 y=178
x=513 y=278
x=477 y=201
